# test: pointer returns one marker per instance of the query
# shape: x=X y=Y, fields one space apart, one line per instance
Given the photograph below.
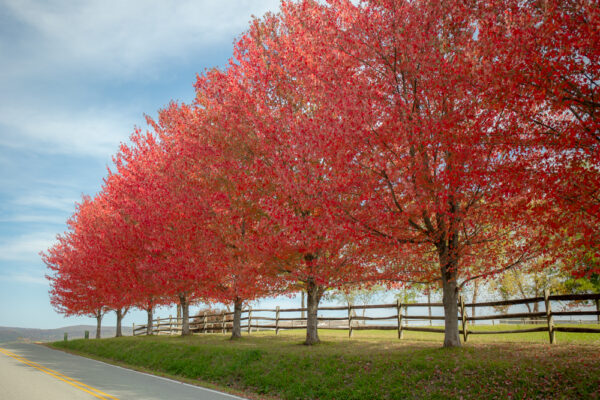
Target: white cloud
x=58 y=54
x=35 y=218
x=25 y=247
x=127 y=37
x=47 y=202
x=37 y=279
x=95 y=133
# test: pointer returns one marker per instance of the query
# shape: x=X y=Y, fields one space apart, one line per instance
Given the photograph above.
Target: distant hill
x=10 y=334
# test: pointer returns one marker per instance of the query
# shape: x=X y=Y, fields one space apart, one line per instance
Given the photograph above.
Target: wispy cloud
x=47 y=202
x=126 y=37
x=94 y=133
x=35 y=219
x=25 y=247
x=37 y=279
x=59 y=58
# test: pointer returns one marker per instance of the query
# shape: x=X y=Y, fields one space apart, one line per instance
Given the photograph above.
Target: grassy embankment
x=371 y=365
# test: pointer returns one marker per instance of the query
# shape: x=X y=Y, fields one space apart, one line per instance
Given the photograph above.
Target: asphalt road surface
x=31 y=371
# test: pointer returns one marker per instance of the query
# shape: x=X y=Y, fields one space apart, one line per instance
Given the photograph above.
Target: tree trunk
x=98 y=324
x=519 y=281
x=185 y=308
x=449 y=271
x=313 y=296
x=236 y=331
x=149 y=325
x=120 y=314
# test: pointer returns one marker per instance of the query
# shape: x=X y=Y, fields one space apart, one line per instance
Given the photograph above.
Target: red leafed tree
x=86 y=275
x=388 y=98
x=285 y=177
x=98 y=240
x=215 y=170
x=543 y=60
x=72 y=293
x=128 y=193
x=161 y=200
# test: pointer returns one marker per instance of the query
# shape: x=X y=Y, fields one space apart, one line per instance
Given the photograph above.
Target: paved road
x=30 y=371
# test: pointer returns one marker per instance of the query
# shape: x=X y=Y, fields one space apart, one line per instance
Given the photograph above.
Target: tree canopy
x=352 y=144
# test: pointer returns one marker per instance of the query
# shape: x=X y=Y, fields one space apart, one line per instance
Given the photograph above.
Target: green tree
x=523 y=283
x=588 y=284
x=359 y=296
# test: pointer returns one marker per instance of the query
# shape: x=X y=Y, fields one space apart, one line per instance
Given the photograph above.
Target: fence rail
x=223 y=322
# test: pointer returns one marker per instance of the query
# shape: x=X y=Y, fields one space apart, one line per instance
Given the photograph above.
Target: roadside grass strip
x=371 y=365
x=73 y=382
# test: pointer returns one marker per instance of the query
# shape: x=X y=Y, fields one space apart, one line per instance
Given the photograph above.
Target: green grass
x=371 y=365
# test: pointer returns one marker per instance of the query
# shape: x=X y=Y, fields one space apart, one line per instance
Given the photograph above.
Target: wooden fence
x=397 y=318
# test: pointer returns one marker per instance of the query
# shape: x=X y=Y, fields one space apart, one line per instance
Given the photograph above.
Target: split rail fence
x=396 y=320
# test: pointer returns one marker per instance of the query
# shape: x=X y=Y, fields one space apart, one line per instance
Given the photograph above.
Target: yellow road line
x=75 y=383
x=60 y=376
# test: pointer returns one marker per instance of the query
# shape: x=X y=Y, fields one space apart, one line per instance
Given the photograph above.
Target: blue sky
x=75 y=78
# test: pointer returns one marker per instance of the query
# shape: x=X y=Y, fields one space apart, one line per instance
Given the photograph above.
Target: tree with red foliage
x=72 y=293
x=193 y=135
x=99 y=241
x=125 y=193
x=386 y=97
x=299 y=240
x=159 y=198
x=352 y=141
x=83 y=281
x=542 y=61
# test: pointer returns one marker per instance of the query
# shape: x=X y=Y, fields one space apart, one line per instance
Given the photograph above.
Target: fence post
x=549 y=316
x=463 y=317
x=597 y=301
x=277 y=320
x=66 y=336
x=399 y=311
x=86 y=334
x=349 y=320
x=170 y=324
x=223 y=321
x=249 y=319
